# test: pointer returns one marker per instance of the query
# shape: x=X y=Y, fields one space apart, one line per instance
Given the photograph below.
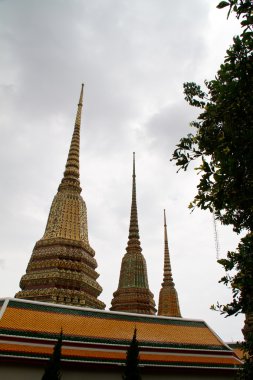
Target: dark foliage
x=52 y=371
x=222 y=142
x=132 y=371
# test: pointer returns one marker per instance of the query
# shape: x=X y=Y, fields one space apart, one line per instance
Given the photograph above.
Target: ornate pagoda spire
x=168 y=299
x=134 y=237
x=71 y=175
x=133 y=294
x=62 y=266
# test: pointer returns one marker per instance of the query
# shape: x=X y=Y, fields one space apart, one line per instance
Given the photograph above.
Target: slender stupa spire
x=168 y=299
x=62 y=266
x=71 y=174
x=134 y=228
x=133 y=294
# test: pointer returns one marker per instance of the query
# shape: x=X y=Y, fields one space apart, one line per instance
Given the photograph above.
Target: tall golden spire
x=133 y=237
x=62 y=266
x=167 y=274
x=133 y=294
x=71 y=174
x=168 y=299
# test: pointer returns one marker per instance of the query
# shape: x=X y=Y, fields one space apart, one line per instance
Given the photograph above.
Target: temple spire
x=62 y=268
x=71 y=173
x=167 y=274
x=168 y=298
x=133 y=294
x=133 y=227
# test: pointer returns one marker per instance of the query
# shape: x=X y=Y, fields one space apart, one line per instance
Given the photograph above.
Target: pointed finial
x=80 y=103
x=133 y=164
x=167 y=275
x=164 y=215
x=71 y=173
x=134 y=228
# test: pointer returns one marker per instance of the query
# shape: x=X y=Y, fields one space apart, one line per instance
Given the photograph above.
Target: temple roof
x=29 y=330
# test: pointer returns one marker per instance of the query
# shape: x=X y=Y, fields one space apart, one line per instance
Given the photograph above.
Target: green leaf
x=222 y=4
x=222 y=136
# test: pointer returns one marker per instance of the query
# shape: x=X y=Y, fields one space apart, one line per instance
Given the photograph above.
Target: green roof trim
x=195 y=364
x=235 y=345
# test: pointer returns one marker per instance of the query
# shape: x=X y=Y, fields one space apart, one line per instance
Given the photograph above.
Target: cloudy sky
x=133 y=56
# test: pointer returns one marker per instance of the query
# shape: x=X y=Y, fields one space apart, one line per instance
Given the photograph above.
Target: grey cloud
x=169 y=124
x=133 y=57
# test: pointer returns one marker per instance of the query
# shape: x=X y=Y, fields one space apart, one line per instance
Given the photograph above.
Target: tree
x=52 y=372
x=132 y=360
x=222 y=142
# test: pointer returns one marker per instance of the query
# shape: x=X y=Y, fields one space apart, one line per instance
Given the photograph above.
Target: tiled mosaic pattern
x=62 y=268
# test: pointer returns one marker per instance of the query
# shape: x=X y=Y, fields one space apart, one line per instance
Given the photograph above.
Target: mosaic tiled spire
x=71 y=174
x=62 y=265
x=133 y=294
x=168 y=299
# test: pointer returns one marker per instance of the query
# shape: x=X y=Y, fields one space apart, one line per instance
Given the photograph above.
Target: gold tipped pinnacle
x=168 y=298
x=167 y=274
x=71 y=173
x=134 y=227
x=133 y=294
x=133 y=164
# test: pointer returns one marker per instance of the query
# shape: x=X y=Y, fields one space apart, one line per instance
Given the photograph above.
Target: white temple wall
x=14 y=372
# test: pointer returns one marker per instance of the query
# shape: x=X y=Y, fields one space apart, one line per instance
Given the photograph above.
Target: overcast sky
x=133 y=56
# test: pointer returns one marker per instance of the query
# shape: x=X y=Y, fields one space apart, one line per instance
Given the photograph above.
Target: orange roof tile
x=238 y=350
x=29 y=329
x=51 y=322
